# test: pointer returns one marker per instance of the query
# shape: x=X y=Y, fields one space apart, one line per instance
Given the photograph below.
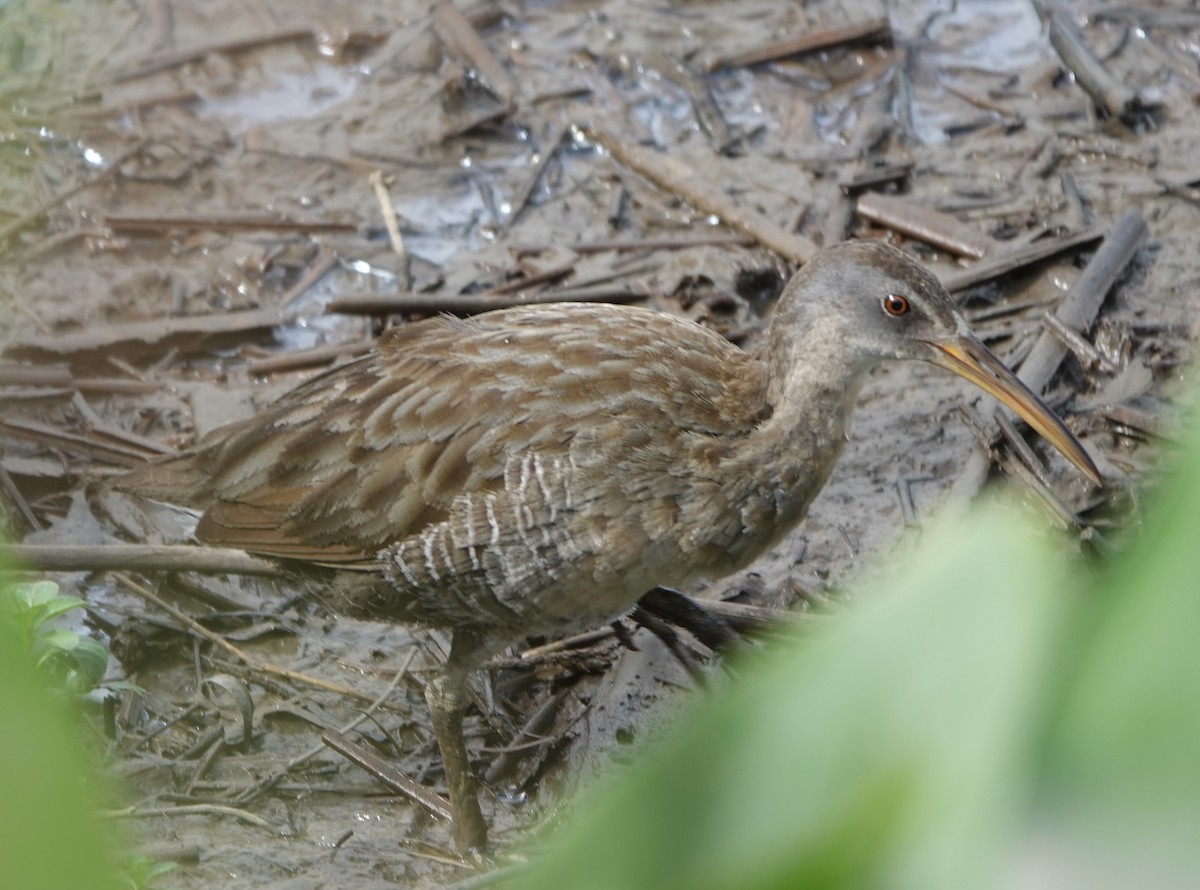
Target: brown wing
x=375 y=450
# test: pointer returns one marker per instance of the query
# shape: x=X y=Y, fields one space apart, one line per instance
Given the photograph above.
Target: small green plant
x=75 y=662
x=141 y=872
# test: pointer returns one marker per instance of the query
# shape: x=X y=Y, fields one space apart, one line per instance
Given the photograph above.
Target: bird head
x=879 y=304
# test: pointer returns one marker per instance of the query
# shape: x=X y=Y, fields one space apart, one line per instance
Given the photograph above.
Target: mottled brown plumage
x=535 y=470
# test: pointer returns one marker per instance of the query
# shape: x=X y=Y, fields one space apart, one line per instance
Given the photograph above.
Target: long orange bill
x=969 y=358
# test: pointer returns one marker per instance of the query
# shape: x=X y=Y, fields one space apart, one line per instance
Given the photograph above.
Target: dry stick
x=471 y=304
x=320 y=267
x=1076 y=311
x=549 y=149
x=999 y=264
x=873 y=175
x=461 y=38
x=1087 y=354
x=204 y=809
x=716 y=239
x=59 y=377
x=307 y=358
x=1113 y=96
x=110 y=452
x=674 y=176
x=270 y=780
x=11 y=228
x=871 y=29
x=390 y=776
x=925 y=224
x=222 y=222
x=242 y=656
x=179 y=57
x=115 y=435
x=518 y=284
x=14 y=494
x=140 y=103
x=392 y=225
x=136 y=558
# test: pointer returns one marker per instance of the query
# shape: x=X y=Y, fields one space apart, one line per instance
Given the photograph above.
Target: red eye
x=895 y=305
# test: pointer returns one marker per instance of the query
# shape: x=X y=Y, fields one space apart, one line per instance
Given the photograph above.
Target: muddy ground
x=188 y=189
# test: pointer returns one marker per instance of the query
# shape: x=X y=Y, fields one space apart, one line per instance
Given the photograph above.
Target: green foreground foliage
x=51 y=831
x=998 y=713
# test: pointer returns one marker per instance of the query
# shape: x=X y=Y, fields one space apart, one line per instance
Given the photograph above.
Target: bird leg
x=671 y=640
x=446 y=696
x=679 y=609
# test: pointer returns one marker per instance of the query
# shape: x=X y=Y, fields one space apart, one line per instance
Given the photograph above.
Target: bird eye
x=895 y=305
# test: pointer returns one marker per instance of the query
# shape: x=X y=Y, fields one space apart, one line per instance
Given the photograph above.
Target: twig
x=11 y=228
x=1110 y=94
x=242 y=656
x=392 y=225
x=221 y=222
x=548 y=149
x=998 y=263
x=390 y=776
x=674 y=176
x=925 y=224
x=716 y=239
x=136 y=558
x=472 y=304
x=14 y=494
x=307 y=358
x=179 y=57
x=519 y=284
x=84 y=446
x=196 y=809
x=877 y=29
x=59 y=377
x=324 y=263
x=273 y=778
x=461 y=38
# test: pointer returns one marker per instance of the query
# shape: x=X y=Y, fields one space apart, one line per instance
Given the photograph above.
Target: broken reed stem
x=672 y=175
x=392 y=224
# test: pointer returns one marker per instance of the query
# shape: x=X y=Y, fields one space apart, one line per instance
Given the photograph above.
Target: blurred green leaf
x=51 y=835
